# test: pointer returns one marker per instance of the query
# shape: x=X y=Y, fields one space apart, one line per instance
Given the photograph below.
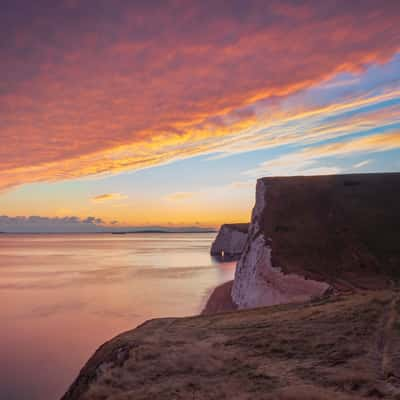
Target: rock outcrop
x=230 y=241
x=257 y=282
x=220 y=300
x=310 y=234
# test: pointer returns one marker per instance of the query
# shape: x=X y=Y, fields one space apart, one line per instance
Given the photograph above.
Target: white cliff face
x=229 y=241
x=257 y=283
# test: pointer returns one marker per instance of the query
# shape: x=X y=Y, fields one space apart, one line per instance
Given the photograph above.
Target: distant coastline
x=162 y=231
x=111 y=232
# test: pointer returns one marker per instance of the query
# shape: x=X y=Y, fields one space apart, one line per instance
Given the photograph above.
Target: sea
x=62 y=296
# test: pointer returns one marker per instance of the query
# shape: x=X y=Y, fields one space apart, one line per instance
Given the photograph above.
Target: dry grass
x=308 y=392
x=326 y=350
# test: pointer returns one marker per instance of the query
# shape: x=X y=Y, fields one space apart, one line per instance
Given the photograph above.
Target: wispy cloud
x=365 y=144
x=305 y=161
x=348 y=117
x=108 y=197
x=361 y=164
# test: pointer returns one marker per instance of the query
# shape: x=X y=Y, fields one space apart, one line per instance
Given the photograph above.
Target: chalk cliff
x=257 y=282
x=230 y=240
x=311 y=234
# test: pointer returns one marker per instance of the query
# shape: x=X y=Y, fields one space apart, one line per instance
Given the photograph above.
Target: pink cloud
x=81 y=83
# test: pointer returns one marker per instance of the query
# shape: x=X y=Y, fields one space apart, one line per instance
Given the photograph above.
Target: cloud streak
x=101 y=198
x=304 y=162
x=89 y=88
x=361 y=164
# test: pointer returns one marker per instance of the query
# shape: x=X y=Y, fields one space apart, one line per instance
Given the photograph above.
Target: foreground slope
x=345 y=347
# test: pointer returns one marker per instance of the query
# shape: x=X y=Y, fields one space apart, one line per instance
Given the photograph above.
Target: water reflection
x=61 y=296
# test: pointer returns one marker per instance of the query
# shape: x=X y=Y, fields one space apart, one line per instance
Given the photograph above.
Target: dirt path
x=388 y=348
x=387 y=340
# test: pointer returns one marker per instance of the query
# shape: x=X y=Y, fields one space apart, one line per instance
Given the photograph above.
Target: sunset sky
x=137 y=113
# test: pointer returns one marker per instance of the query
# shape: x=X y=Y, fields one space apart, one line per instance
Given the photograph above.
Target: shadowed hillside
x=338 y=228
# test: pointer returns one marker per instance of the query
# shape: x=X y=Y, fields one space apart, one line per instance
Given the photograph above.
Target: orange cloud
x=128 y=85
x=107 y=197
x=367 y=144
x=296 y=126
x=303 y=162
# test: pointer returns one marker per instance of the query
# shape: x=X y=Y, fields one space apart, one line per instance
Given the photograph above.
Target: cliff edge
x=310 y=235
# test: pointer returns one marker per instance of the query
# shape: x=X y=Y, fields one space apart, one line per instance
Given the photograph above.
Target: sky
x=164 y=113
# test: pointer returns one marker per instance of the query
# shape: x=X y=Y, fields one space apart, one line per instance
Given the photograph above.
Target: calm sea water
x=61 y=296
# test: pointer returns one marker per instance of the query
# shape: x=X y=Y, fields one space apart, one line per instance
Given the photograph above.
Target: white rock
x=257 y=283
x=229 y=241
